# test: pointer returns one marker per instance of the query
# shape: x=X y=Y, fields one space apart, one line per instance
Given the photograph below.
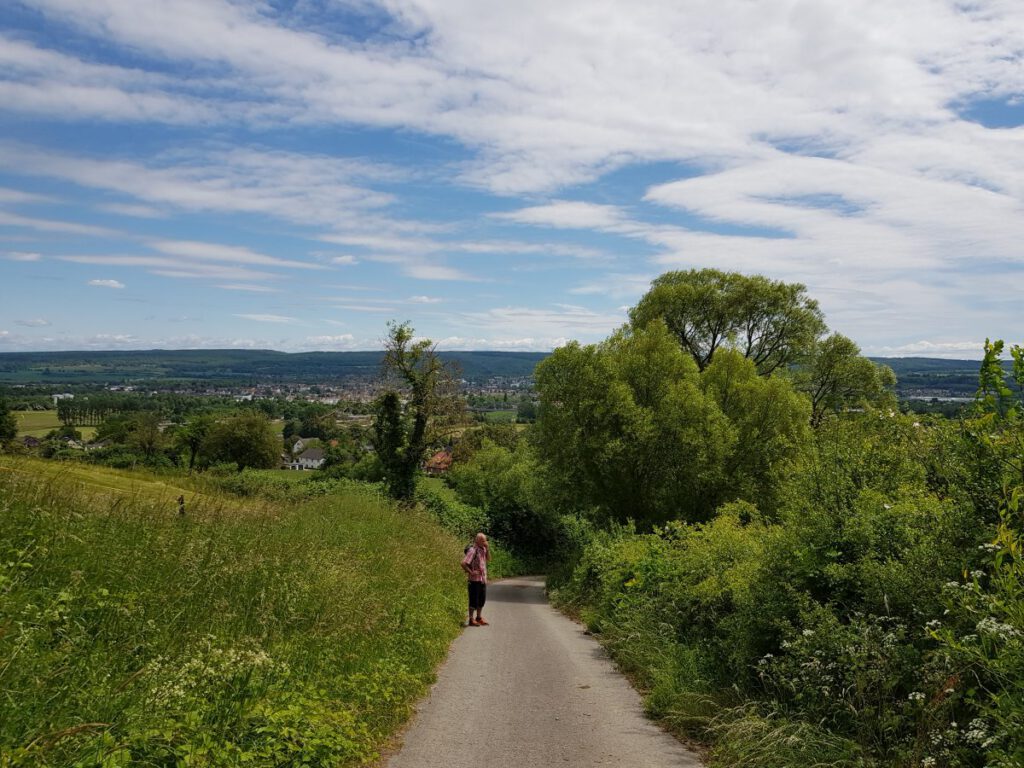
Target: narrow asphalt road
x=532 y=691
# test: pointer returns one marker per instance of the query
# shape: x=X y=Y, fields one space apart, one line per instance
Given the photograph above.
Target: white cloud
x=616 y=285
x=51 y=225
x=22 y=256
x=167 y=266
x=560 y=322
x=196 y=251
x=106 y=283
x=956 y=350
x=342 y=341
x=36 y=322
x=424 y=300
x=133 y=210
x=247 y=287
x=344 y=261
x=260 y=318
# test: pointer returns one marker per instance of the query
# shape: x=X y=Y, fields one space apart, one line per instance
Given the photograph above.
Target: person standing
x=475 y=566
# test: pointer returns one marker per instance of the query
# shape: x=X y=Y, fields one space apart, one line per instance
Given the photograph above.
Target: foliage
x=638 y=433
x=465 y=521
x=8 y=423
x=246 y=440
x=191 y=436
x=472 y=440
x=836 y=377
x=236 y=636
x=813 y=633
x=770 y=322
x=503 y=483
x=403 y=433
x=984 y=636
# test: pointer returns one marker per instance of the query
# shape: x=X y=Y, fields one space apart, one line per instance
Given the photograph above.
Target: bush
x=816 y=623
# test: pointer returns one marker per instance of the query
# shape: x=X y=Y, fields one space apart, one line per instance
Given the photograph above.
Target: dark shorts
x=477 y=595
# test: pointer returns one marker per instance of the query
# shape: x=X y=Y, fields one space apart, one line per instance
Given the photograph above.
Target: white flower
x=808 y=632
x=996 y=628
x=916 y=696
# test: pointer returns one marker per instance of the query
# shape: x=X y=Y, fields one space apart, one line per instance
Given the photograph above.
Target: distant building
x=312 y=458
x=63 y=396
x=439 y=463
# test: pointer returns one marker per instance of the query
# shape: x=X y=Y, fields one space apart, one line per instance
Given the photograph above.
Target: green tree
x=191 y=435
x=8 y=423
x=526 y=410
x=247 y=440
x=770 y=420
x=625 y=426
x=771 y=322
x=403 y=431
x=835 y=376
x=146 y=436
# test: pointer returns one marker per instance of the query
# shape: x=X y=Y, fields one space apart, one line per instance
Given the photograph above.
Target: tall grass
x=274 y=634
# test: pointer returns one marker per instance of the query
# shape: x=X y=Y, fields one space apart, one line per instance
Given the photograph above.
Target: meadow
x=40 y=423
x=249 y=632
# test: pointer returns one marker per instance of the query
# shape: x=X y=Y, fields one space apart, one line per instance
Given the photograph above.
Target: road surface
x=532 y=691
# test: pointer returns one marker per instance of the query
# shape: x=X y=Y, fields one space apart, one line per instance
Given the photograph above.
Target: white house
x=312 y=458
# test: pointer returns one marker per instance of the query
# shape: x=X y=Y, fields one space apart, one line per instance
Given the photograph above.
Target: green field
x=249 y=632
x=499 y=417
x=39 y=423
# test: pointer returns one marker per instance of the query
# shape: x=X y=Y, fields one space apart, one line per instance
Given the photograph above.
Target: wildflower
x=993 y=627
x=916 y=696
x=933 y=624
x=928 y=762
x=977 y=731
x=808 y=632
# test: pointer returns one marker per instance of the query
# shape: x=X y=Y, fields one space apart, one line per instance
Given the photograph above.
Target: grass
x=250 y=632
x=40 y=423
x=97 y=480
x=499 y=417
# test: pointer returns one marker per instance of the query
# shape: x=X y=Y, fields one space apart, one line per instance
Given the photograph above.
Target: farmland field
x=39 y=423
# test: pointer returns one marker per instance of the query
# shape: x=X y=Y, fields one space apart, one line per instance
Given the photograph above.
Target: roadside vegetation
x=248 y=632
x=793 y=571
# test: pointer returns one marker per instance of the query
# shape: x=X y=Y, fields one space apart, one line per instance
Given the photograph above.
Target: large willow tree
x=769 y=322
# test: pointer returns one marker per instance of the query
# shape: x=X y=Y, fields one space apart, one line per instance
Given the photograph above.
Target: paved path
x=532 y=691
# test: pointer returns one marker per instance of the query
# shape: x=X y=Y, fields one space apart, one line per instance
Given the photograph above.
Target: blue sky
x=292 y=175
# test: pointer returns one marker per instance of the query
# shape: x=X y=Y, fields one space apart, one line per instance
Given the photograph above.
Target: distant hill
x=927 y=377
x=233 y=365
x=919 y=377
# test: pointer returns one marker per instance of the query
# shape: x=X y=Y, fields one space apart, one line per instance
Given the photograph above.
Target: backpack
x=475 y=562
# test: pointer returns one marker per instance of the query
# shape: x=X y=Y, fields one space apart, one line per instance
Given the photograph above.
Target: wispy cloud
x=22 y=256
x=106 y=283
x=36 y=322
x=260 y=318
x=247 y=287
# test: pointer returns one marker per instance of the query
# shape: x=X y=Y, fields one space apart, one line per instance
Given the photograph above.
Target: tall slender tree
x=405 y=427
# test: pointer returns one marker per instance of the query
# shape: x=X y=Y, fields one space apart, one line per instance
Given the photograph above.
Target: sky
x=293 y=174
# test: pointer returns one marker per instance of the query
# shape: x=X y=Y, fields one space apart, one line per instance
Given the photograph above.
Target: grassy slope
x=248 y=633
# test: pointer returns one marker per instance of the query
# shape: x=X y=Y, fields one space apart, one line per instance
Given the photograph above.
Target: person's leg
x=471 y=588
x=481 y=599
